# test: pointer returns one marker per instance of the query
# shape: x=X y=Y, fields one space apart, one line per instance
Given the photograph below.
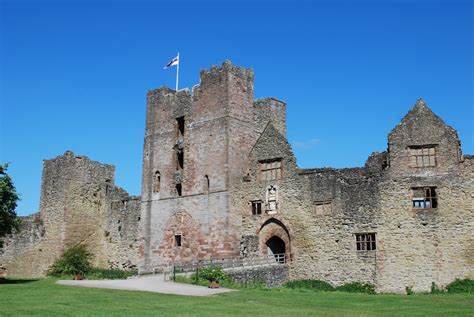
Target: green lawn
x=44 y=298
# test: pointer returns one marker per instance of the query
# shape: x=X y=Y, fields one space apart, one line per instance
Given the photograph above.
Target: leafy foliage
x=8 y=200
x=315 y=285
x=461 y=286
x=211 y=273
x=193 y=279
x=109 y=274
x=357 y=287
x=73 y=261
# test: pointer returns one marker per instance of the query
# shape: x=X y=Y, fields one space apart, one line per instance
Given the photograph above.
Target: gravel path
x=150 y=283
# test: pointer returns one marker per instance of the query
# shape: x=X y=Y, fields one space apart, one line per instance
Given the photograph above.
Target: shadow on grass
x=15 y=280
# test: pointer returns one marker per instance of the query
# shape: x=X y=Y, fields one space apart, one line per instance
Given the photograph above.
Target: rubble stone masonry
x=220 y=179
x=79 y=205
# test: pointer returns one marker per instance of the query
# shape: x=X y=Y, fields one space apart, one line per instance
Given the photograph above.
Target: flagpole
x=177 y=73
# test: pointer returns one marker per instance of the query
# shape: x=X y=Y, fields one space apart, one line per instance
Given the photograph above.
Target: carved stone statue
x=272 y=200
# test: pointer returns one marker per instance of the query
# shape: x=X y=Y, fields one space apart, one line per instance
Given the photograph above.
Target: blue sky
x=74 y=74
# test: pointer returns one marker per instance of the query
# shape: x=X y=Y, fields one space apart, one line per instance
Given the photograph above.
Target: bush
x=211 y=273
x=461 y=286
x=315 y=285
x=225 y=283
x=74 y=260
x=409 y=290
x=108 y=274
x=357 y=287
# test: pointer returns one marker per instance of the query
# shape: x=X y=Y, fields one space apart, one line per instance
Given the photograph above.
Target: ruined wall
x=226 y=142
x=78 y=206
x=320 y=211
x=26 y=243
x=425 y=245
x=270 y=110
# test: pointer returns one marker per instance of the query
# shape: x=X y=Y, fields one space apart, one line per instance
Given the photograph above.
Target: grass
x=44 y=298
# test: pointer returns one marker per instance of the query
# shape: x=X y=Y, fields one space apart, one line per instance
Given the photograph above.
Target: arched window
x=156 y=182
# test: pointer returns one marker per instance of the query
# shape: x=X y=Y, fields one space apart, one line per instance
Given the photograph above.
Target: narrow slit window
x=207 y=183
x=179 y=190
x=180 y=126
x=365 y=242
x=256 y=207
x=178 y=239
x=156 y=182
x=424 y=198
x=180 y=160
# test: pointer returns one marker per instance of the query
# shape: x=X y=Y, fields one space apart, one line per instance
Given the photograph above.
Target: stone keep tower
x=195 y=143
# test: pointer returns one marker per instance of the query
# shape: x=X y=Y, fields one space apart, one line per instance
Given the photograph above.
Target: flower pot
x=78 y=277
x=214 y=284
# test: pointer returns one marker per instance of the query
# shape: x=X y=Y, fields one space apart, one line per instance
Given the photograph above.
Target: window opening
x=270 y=170
x=422 y=156
x=177 y=239
x=207 y=183
x=180 y=155
x=256 y=207
x=179 y=191
x=157 y=181
x=424 y=198
x=322 y=207
x=365 y=241
x=180 y=124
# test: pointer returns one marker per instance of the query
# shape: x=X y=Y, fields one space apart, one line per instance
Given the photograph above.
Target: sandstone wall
x=218 y=134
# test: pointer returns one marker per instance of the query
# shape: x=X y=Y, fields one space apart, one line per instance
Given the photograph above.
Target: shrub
x=461 y=286
x=73 y=261
x=225 y=283
x=109 y=274
x=357 y=287
x=315 y=285
x=409 y=290
x=211 y=273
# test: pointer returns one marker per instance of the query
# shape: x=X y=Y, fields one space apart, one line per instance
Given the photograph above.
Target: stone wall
x=220 y=180
x=79 y=205
x=215 y=140
x=320 y=211
x=270 y=275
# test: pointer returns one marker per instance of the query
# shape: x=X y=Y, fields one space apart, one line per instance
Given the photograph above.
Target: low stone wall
x=272 y=275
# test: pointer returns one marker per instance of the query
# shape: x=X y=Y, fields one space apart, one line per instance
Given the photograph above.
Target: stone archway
x=274 y=239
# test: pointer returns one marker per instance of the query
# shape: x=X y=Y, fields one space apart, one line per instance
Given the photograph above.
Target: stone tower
x=195 y=143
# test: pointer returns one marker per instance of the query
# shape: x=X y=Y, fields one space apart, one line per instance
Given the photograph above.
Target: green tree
x=8 y=200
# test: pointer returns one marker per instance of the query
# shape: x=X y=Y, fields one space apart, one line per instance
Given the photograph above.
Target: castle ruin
x=220 y=180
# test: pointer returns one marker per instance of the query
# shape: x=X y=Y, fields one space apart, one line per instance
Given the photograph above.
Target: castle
x=220 y=180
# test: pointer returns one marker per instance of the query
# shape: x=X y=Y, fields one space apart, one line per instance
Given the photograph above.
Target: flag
x=173 y=62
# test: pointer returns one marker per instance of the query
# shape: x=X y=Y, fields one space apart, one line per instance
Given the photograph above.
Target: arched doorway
x=276 y=247
x=275 y=240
